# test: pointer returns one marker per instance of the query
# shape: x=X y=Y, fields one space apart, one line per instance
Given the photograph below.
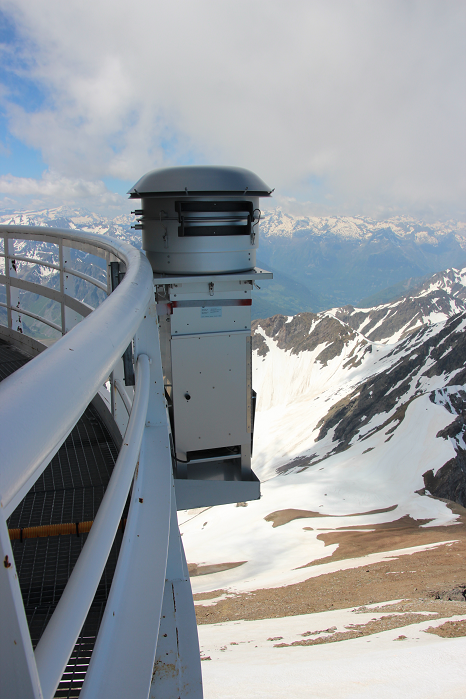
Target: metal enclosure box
x=209 y=387
x=200 y=233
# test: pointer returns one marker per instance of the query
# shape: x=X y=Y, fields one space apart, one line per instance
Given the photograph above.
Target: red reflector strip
x=164 y=309
x=204 y=304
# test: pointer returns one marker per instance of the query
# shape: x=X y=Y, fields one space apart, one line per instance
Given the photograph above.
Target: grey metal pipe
x=123 y=395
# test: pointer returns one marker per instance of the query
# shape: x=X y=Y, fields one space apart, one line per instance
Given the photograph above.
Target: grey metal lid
x=200 y=181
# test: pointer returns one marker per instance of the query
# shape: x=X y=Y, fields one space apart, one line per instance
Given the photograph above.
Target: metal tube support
x=120 y=411
x=59 y=637
x=177 y=668
x=18 y=671
x=71 y=317
x=123 y=395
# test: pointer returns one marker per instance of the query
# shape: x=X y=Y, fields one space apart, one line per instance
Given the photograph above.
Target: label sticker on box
x=211 y=312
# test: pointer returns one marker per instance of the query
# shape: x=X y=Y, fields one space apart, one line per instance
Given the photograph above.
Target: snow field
x=345 y=484
x=372 y=667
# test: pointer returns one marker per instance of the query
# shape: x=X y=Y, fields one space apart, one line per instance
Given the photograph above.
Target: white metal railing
x=63 y=629
x=80 y=361
x=48 y=396
x=65 y=241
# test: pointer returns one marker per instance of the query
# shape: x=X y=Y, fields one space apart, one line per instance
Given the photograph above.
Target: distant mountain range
x=318 y=263
x=348 y=260
x=77 y=219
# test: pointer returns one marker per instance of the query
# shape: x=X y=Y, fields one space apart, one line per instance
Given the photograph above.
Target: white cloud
x=54 y=189
x=368 y=98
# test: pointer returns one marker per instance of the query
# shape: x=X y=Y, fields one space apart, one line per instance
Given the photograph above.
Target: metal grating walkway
x=69 y=491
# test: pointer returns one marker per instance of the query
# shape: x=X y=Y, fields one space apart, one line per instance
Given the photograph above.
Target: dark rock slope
x=450 y=481
x=444 y=294
x=430 y=355
x=423 y=355
x=302 y=333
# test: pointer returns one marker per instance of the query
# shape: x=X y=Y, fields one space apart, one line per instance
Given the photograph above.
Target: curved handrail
x=57 y=236
x=35 y=392
x=103 y=242
x=61 y=632
x=49 y=394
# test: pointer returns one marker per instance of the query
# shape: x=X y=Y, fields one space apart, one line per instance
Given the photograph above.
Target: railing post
x=69 y=282
x=18 y=672
x=12 y=293
x=62 y=286
x=177 y=668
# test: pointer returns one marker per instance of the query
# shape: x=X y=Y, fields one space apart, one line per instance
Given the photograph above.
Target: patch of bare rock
x=430 y=581
x=450 y=629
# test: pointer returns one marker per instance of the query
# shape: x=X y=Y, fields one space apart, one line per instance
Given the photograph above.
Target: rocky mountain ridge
x=370 y=366
x=442 y=296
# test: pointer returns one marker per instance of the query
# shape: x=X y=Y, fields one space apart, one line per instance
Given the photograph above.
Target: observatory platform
x=95 y=590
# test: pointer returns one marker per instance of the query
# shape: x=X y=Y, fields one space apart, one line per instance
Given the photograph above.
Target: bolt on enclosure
x=200 y=230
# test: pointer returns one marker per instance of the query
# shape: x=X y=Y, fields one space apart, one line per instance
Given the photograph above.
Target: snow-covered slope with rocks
x=360 y=447
x=349 y=432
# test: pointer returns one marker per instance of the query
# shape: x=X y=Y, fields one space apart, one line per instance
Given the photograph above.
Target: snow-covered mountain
x=360 y=446
x=442 y=296
x=318 y=263
x=345 y=260
x=367 y=386
x=351 y=433
x=279 y=223
x=76 y=219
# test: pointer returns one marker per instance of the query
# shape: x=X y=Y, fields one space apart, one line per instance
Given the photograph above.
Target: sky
x=350 y=107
